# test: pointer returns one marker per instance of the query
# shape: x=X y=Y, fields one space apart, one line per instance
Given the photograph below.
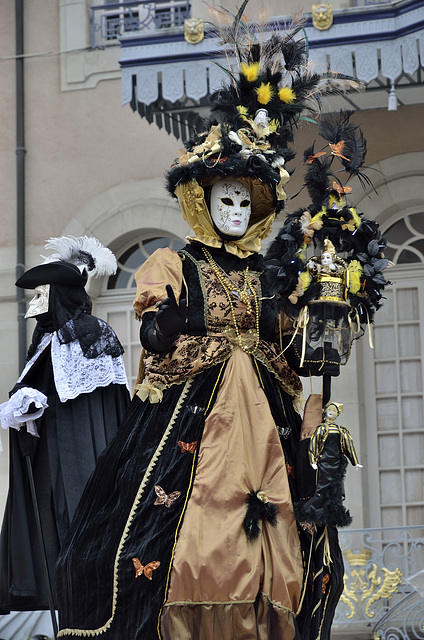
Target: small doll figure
x=331 y=412
x=330 y=446
x=328 y=263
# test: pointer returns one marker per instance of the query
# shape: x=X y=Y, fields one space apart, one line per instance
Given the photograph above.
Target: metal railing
x=383 y=583
x=111 y=21
x=368 y=3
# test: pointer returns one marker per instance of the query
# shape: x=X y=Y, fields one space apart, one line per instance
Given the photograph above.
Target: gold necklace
x=244 y=295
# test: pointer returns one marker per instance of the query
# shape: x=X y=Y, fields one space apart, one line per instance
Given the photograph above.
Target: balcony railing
x=370 y=3
x=383 y=583
x=111 y=21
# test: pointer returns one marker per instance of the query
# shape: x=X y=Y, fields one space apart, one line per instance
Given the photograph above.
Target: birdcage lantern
x=330 y=323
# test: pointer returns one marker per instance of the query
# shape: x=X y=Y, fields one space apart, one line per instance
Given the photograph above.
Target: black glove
x=168 y=322
x=313 y=364
x=317 y=365
x=171 y=317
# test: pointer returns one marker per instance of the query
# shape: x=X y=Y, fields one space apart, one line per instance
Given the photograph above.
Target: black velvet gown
x=162 y=543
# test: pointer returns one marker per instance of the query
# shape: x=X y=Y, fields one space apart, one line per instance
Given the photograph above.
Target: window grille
x=112 y=20
x=394 y=397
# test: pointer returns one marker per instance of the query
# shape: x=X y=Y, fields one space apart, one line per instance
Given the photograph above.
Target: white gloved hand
x=14 y=413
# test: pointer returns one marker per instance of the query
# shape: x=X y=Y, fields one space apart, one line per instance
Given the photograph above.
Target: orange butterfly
x=147 y=570
x=336 y=149
x=341 y=190
x=187 y=446
x=162 y=498
x=310 y=159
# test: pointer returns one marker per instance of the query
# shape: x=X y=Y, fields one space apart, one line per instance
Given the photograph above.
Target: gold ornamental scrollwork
x=366 y=585
x=322 y=16
x=194 y=30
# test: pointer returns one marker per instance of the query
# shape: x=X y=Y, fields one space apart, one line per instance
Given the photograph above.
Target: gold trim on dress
x=152 y=464
x=193 y=467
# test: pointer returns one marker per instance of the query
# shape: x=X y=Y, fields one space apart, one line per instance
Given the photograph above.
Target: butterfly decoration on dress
x=146 y=570
x=163 y=498
x=187 y=446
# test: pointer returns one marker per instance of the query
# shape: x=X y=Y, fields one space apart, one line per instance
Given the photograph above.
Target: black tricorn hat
x=58 y=272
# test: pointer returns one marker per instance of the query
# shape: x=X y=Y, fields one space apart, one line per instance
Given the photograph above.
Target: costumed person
x=186 y=529
x=63 y=411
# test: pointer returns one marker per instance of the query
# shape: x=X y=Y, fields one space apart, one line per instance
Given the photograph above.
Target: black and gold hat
x=74 y=261
x=270 y=88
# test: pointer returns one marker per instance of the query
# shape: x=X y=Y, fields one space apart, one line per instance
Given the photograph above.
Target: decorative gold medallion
x=367 y=583
x=322 y=16
x=194 y=30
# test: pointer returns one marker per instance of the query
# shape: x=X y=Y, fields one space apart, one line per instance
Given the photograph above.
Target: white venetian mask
x=40 y=302
x=230 y=207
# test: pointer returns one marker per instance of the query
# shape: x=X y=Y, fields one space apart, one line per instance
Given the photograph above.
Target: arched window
x=405 y=240
x=133 y=257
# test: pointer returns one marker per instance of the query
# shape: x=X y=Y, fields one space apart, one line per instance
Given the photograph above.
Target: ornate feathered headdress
x=270 y=87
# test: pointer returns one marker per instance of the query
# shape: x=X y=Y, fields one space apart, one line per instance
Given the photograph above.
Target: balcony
x=168 y=79
x=112 y=20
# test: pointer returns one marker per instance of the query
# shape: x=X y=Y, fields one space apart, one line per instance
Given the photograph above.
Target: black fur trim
x=331 y=510
x=258 y=510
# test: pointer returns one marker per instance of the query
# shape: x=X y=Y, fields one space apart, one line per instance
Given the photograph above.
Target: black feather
x=334 y=127
x=355 y=149
x=258 y=510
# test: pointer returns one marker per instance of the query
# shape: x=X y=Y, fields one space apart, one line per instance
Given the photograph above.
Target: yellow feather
x=356 y=218
x=243 y=111
x=250 y=71
x=287 y=95
x=316 y=222
x=355 y=274
x=264 y=93
x=317 y=216
x=274 y=125
x=305 y=278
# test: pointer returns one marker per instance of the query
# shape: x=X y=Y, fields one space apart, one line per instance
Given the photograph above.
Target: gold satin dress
x=221 y=585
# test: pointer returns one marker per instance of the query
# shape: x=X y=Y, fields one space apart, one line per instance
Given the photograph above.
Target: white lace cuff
x=14 y=413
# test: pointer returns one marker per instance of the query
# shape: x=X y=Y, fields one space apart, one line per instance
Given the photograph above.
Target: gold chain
x=245 y=295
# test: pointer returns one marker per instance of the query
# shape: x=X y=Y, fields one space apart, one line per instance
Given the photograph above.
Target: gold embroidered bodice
x=192 y=353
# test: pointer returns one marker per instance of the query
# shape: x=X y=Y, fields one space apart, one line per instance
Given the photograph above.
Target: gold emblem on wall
x=365 y=585
x=322 y=16
x=193 y=30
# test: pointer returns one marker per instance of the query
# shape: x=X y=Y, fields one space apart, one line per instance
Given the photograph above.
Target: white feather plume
x=85 y=252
